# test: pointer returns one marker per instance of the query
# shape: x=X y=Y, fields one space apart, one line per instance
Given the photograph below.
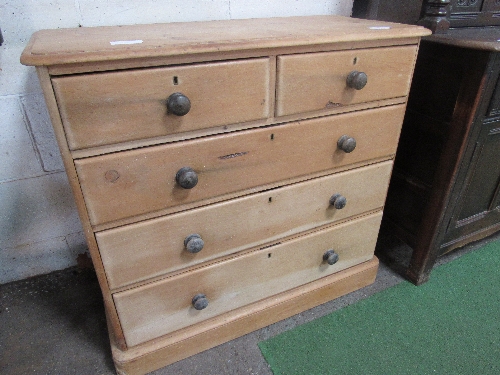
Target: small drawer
x=165 y=306
x=106 y=108
x=125 y=184
x=318 y=81
x=154 y=247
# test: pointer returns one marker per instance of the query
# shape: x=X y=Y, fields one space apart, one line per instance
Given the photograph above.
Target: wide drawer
x=159 y=308
x=125 y=184
x=317 y=81
x=105 y=108
x=150 y=248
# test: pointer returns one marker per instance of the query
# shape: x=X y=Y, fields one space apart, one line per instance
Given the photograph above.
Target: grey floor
x=54 y=324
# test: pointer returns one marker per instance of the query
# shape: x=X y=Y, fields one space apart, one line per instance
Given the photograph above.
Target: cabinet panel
x=494 y=108
x=477 y=206
x=482 y=184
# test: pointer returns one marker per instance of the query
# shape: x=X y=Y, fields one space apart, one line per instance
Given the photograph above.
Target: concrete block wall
x=40 y=231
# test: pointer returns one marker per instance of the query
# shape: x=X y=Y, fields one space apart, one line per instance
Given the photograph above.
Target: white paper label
x=118 y=42
x=379 y=27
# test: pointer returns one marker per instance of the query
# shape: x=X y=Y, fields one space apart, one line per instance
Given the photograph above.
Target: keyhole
x=272 y=137
x=176 y=80
x=112 y=175
x=269 y=255
x=270 y=199
x=354 y=61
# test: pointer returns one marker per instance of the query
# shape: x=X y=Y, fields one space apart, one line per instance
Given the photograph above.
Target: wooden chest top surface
x=86 y=44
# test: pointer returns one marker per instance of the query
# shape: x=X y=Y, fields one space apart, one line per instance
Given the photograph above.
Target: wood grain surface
x=91 y=44
x=311 y=82
x=159 y=308
x=268 y=106
x=139 y=251
x=194 y=339
x=130 y=183
x=108 y=108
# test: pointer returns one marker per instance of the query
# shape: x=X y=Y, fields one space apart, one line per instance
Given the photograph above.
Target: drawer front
x=159 y=308
x=125 y=184
x=317 y=81
x=139 y=251
x=105 y=108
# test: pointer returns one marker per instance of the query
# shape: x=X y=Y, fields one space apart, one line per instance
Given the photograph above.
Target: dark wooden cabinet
x=445 y=188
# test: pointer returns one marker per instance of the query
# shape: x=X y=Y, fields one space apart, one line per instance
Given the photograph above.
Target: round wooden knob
x=331 y=257
x=357 y=80
x=200 y=301
x=194 y=243
x=346 y=144
x=338 y=201
x=178 y=104
x=186 y=177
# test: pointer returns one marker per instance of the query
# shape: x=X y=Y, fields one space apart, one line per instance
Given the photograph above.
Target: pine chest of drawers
x=228 y=174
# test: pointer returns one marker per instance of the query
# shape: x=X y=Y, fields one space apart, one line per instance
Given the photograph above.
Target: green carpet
x=450 y=325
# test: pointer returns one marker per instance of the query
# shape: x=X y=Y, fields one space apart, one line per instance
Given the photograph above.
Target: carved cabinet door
x=478 y=201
